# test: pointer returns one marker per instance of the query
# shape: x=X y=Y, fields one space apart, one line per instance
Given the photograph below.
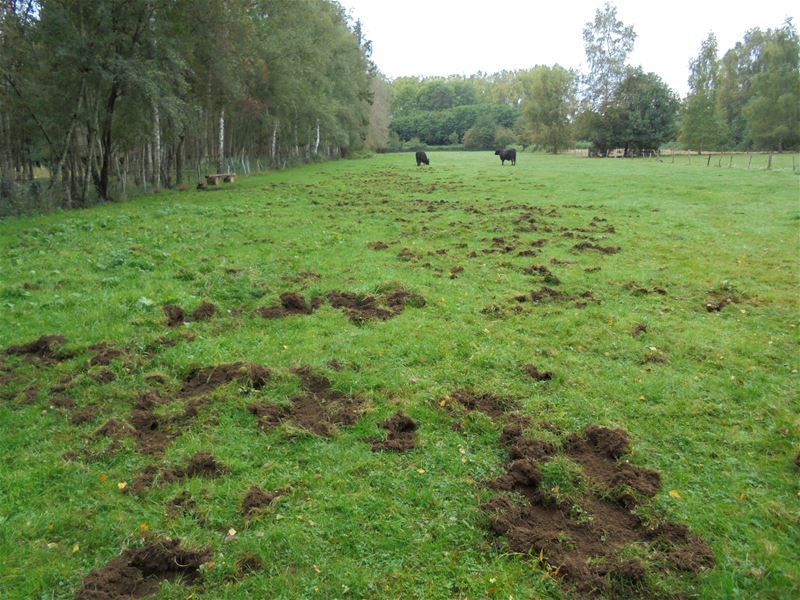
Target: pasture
x=569 y=377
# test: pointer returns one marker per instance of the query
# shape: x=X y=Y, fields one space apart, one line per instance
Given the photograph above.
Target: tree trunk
x=316 y=142
x=156 y=149
x=179 y=160
x=221 y=153
x=274 y=141
x=108 y=121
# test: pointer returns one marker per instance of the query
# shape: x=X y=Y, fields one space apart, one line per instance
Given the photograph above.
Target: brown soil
x=205 y=311
x=319 y=410
x=47 y=349
x=402 y=434
x=291 y=304
x=102 y=375
x=139 y=572
x=184 y=505
x=379 y=245
x=201 y=464
x=105 y=354
x=335 y=364
x=204 y=380
x=175 y=315
x=84 y=415
x=639 y=329
x=247 y=564
x=364 y=307
x=596 y=248
x=720 y=300
x=548 y=275
x=641 y=290
x=256 y=501
x=548 y=294
x=488 y=404
x=534 y=372
x=456 y=271
x=582 y=539
x=149 y=431
x=30 y=394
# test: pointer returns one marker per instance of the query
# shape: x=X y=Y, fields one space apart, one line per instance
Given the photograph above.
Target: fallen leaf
x=675 y=494
x=76 y=548
x=122 y=485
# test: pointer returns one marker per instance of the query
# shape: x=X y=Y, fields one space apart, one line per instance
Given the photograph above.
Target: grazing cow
x=507 y=155
x=422 y=158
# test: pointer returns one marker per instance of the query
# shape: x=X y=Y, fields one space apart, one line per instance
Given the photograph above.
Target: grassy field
x=686 y=338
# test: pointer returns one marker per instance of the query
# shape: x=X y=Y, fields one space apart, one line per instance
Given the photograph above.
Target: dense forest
x=100 y=99
x=112 y=94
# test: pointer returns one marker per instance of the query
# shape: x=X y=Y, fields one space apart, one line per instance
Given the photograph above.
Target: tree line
x=749 y=99
x=109 y=95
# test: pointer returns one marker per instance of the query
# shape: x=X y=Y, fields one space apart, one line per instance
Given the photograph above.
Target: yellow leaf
x=76 y=548
x=102 y=477
x=421 y=471
x=144 y=527
x=675 y=494
x=122 y=485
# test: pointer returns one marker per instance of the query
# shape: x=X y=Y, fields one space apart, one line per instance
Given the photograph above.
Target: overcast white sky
x=462 y=37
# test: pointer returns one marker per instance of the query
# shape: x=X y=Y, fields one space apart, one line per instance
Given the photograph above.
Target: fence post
x=769 y=162
x=749 y=159
x=730 y=162
x=708 y=162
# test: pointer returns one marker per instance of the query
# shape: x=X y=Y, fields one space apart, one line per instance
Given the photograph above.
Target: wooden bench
x=226 y=177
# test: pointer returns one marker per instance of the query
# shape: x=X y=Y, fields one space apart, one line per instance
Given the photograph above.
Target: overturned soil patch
x=200 y=464
x=292 y=303
x=547 y=294
x=47 y=349
x=175 y=315
x=320 y=409
x=581 y=533
x=536 y=374
x=489 y=404
x=402 y=434
x=105 y=354
x=205 y=311
x=256 y=501
x=205 y=379
x=596 y=248
x=364 y=307
x=139 y=572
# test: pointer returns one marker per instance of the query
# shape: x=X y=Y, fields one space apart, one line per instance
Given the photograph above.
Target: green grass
x=710 y=398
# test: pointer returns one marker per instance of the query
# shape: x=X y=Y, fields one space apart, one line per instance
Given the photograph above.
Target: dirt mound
x=139 y=572
x=200 y=464
x=291 y=304
x=47 y=348
x=720 y=299
x=184 y=505
x=364 y=307
x=320 y=409
x=256 y=500
x=489 y=404
x=575 y=515
x=205 y=311
x=203 y=380
x=379 y=245
x=175 y=315
x=402 y=434
x=537 y=375
x=597 y=248
x=639 y=329
x=105 y=353
x=542 y=270
x=547 y=294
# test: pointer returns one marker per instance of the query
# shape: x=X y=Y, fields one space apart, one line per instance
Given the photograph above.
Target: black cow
x=507 y=155
x=422 y=158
